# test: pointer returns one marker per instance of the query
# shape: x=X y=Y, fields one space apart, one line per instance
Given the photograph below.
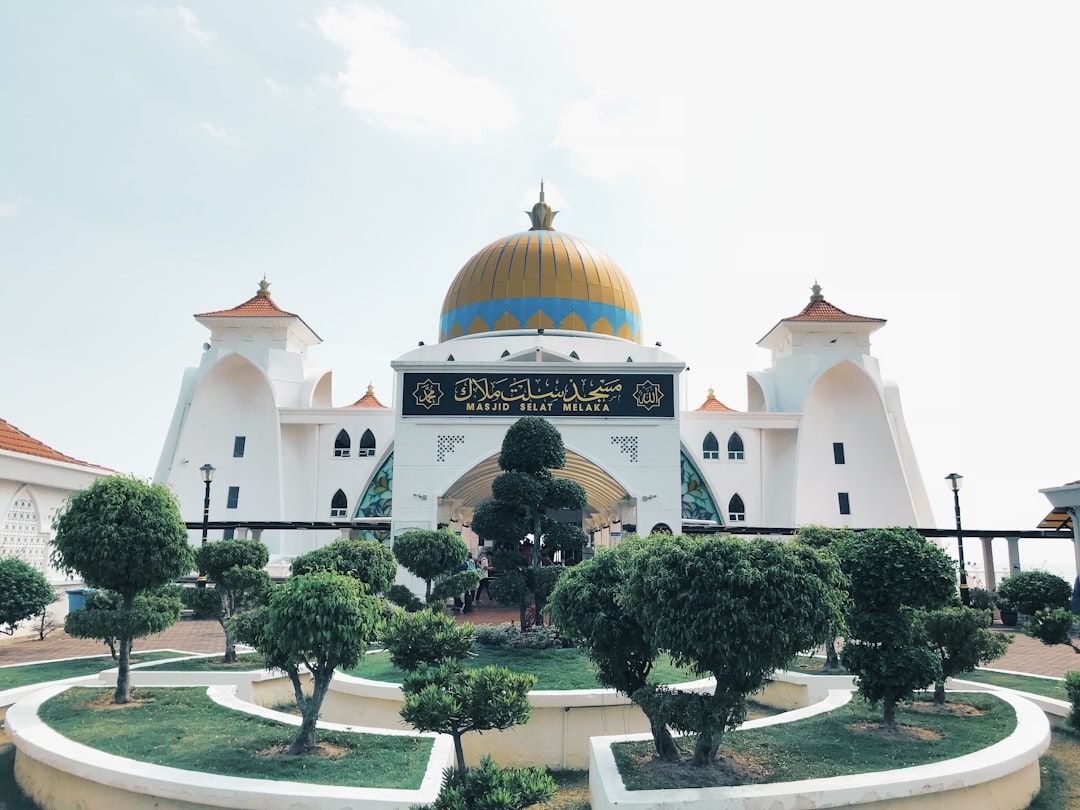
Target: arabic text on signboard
x=481 y=394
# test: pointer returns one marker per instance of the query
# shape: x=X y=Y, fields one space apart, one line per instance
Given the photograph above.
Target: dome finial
x=816 y=290
x=541 y=215
x=264 y=288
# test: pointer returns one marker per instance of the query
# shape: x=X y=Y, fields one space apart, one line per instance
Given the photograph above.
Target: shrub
x=981 y=599
x=24 y=592
x=1031 y=591
x=1072 y=686
x=401 y=596
x=509 y=637
x=1051 y=626
x=493 y=788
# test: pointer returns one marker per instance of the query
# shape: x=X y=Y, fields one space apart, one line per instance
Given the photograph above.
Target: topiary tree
x=125 y=535
x=104 y=617
x=825 y=538
x=490 y=787
x=440 y=694
x=366 y=560
x=432 y=556
x=24 y=592
x=587 y=606
x=893 y=573
x=236 y=568
x=320 y=621
x=1052 y=627
x=962 y=640
x=1072 y=688
x=526 y=491
x=1031 y=591
x=730 y=608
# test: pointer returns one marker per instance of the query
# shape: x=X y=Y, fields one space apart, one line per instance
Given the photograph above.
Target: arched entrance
x=608 y=500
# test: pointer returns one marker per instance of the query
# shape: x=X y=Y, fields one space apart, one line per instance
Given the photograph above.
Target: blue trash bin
x=77 y=598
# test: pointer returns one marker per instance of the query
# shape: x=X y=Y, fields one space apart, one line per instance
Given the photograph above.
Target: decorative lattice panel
x=21 y=538
x=445 y=445
x=627 y=445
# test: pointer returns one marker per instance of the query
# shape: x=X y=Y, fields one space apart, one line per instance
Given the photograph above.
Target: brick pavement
x=1025 y=654
x=188 y=635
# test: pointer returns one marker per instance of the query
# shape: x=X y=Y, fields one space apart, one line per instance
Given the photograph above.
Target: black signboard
x=641 y=395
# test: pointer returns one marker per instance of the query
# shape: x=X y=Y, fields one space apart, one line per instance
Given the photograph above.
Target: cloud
x=11 y=208
x=275 y=87
x=182 y=15
x=407 y=88
x=214 y=131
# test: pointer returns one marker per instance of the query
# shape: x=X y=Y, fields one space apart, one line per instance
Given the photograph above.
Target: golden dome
x=540 y=279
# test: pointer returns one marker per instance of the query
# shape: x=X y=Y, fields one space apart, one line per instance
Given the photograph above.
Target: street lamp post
x=207 y=476
x=954 y=480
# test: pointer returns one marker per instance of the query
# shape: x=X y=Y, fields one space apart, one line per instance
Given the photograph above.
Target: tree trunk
x=304 y=741
x=889 y=709
x=229 y=605
x=123 y=667
x=230 y=644
x=939 y=693
x=832 y=660
x=664 y=742
x=123 y=673
x=706 y=748
x=459 y=755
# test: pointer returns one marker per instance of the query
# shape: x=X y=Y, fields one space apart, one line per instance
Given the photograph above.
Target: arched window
x=342 y=444
x=735 y=447
x=367 y=445
x=710 y=448
x=735 y=509
x=339 y=505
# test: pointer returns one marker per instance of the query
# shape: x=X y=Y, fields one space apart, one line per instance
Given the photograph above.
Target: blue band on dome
x=523 y=310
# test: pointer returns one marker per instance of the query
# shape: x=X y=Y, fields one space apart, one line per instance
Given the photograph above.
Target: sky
x=921 y=161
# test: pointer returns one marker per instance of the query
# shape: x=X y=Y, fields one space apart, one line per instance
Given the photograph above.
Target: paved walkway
x=189 y=635
x=1025 y=654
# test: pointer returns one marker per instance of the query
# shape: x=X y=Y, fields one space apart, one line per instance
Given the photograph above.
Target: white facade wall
x=822 y=387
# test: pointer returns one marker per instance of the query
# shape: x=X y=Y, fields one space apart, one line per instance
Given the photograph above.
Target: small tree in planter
x=236 y=568
x=825 y=538
x=125 y=535
x=432 y=556
x=366 y=560
x=894 y=573
x=703 y=600
x=962 y=641
x=587 y=605
x=24 y=592
x=442 y=696
x=320 y=621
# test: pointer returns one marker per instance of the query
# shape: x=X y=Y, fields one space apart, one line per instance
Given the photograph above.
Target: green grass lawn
x=825 y=745
x=1024 y=683
x=42 y=672
x=554 y=669
x=183 y=728
x=214 y=663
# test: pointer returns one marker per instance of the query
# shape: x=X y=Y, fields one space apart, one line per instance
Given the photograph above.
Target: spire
x=264 y=288
x=816 y=290
x=541 y=215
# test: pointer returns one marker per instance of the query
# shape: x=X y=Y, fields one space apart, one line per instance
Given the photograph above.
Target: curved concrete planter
x=1004 y=776
x=64 y=775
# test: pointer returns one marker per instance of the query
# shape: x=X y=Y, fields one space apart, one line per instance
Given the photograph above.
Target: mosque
x=536 y=323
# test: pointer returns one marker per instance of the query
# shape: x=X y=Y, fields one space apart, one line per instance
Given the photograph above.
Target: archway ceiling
x=603 y=491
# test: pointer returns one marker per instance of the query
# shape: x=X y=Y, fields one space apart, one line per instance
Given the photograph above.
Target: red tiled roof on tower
x=368 y=400
x=713 y=404
x=261 y=305
x=14 y=440
x=821 y=310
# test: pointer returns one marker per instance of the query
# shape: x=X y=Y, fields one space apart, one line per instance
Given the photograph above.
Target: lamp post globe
x=954 y=480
